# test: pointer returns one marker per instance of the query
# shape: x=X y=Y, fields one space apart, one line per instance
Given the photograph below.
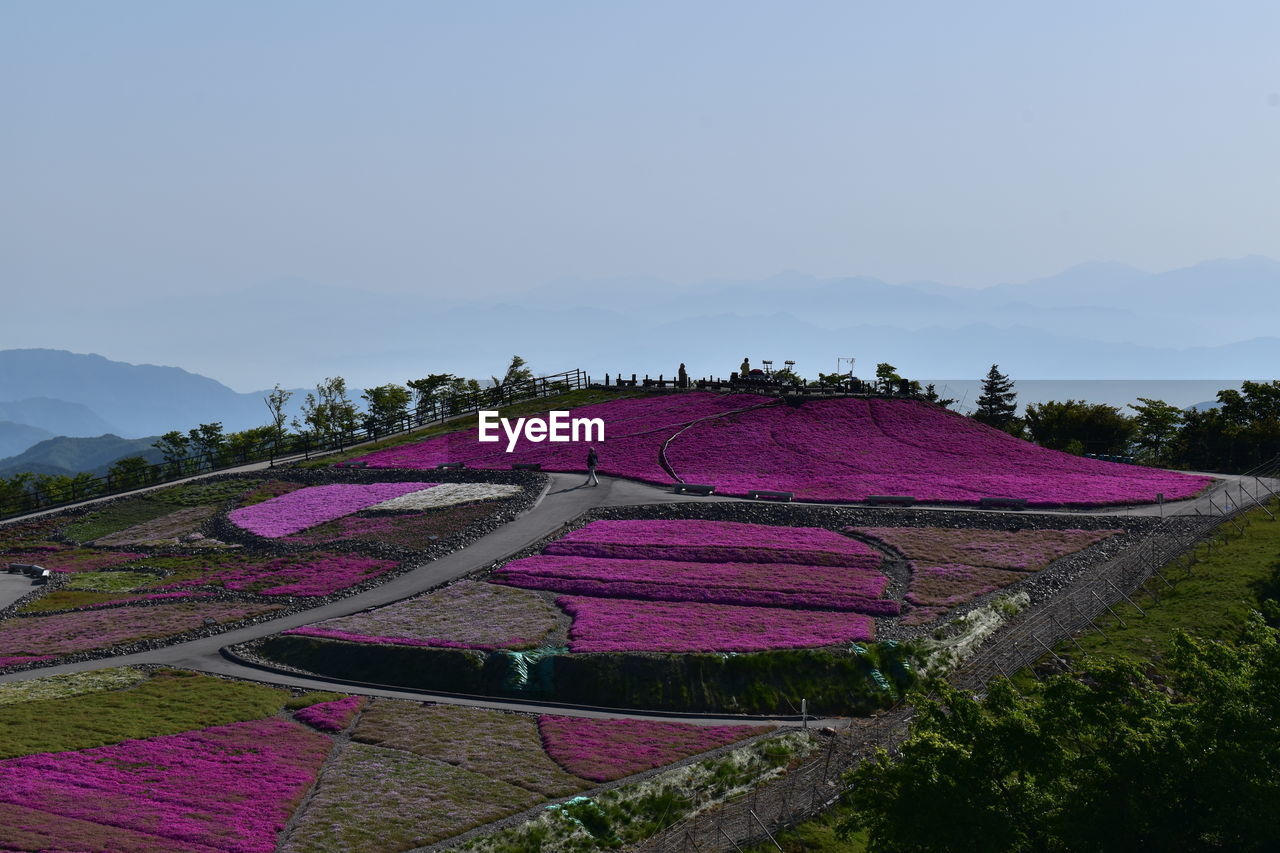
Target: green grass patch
x=63 y=599
x=109 y=581
x=203 y=494
x=168 y=702
x=814 y=836
x=568 y=400
x=69 y=684
x=115 y=518
x=1211 y=603
x=314 y=697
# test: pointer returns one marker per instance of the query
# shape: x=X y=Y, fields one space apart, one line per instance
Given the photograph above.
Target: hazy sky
x=476 y=147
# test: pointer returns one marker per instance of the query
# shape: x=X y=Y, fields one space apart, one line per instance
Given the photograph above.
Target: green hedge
x=846 y=682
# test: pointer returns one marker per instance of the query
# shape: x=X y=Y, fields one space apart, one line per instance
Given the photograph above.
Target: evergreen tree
x=997 y=403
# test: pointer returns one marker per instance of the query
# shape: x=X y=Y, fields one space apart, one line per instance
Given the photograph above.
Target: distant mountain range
x=64 y=412
x=64 y=455
x=1095 y=321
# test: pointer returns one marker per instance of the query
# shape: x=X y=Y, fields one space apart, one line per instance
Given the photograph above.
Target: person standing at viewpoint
x=592 y=461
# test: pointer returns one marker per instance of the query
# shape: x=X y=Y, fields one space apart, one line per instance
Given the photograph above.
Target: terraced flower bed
x=377 y=799
x=66 y=560
x=67 y=633
x=950 y=566
x=606 y=749
x=408 y=530
x=72 y=600
x=838 y=450
x=464 y=615
x=311 y=573
x=221 y=788
x=622 y=625
x=492 y=743
x=178 y=526
x=333 y=716
x=303 y=508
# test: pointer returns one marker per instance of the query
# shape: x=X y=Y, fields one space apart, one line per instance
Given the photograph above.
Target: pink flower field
x=332 y=716
x=825 y=450
x=606 y=749
x=626 y=625
x=950 y=566
x=298 y=510
x=66 y=633
x=714 y=541
x=308 y=574
x=70 y=559
x=226 y=788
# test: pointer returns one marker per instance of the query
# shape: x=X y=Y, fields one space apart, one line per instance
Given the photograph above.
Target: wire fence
x=1170 y=547
x=22 y=495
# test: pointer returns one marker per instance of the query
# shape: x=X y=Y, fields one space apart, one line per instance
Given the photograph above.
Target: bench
x=526 y=466
x=693 y=489
x=890 y=500
x=33 y=571
x=451 y=466
x=1002 y=503
x=18 y=568
x=42 y=578
x=767 y=494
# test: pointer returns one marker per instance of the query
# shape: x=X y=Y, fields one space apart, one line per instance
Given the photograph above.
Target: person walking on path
x=592 y=461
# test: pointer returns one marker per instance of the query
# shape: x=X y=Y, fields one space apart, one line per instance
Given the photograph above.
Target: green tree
x=1101 y=759
x=387 y=407
x=329 y=412
x=129 y=473
x=247 y=444
x=997 y=404
x=787 y=376
x=1092 y=427
x=426 y=393
x=931 y=394
x=1157 y=425
x=208 y=443
x=887 y=377
x=15 y=493
x=173 y=447
x=275 y=401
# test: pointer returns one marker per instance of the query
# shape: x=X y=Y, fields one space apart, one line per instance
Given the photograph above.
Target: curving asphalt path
x=563 y=499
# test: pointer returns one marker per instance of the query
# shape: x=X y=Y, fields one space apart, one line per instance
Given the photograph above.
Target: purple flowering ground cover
x=951 y=566
x=635 y=429
x=825 y=450
x=627 y=625
x=225 y=788
x=409 y=530
x=332 y=716
x=66 y=633
x=76 y=600
x=847 y=449
x=298 y=510
x=779 y=577
x=311 y=573
x=714 y=542
x=606 y=749
x=465 y=614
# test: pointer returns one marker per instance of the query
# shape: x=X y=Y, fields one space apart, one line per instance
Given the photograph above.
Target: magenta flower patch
x=65 y=633
x=332 y=716
x=604 y=750
x=308 y=507
x=625 y=625
x=310 y=574
x=847 y=449
x=229 y=788
x=827 y=450
x=12 y=660
x=714 y=542
x=635 y=429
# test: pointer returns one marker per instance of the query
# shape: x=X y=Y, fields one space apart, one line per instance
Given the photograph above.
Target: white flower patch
x=445 y=494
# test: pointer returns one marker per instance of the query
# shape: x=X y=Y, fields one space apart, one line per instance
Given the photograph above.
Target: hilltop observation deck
x=758 y=382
